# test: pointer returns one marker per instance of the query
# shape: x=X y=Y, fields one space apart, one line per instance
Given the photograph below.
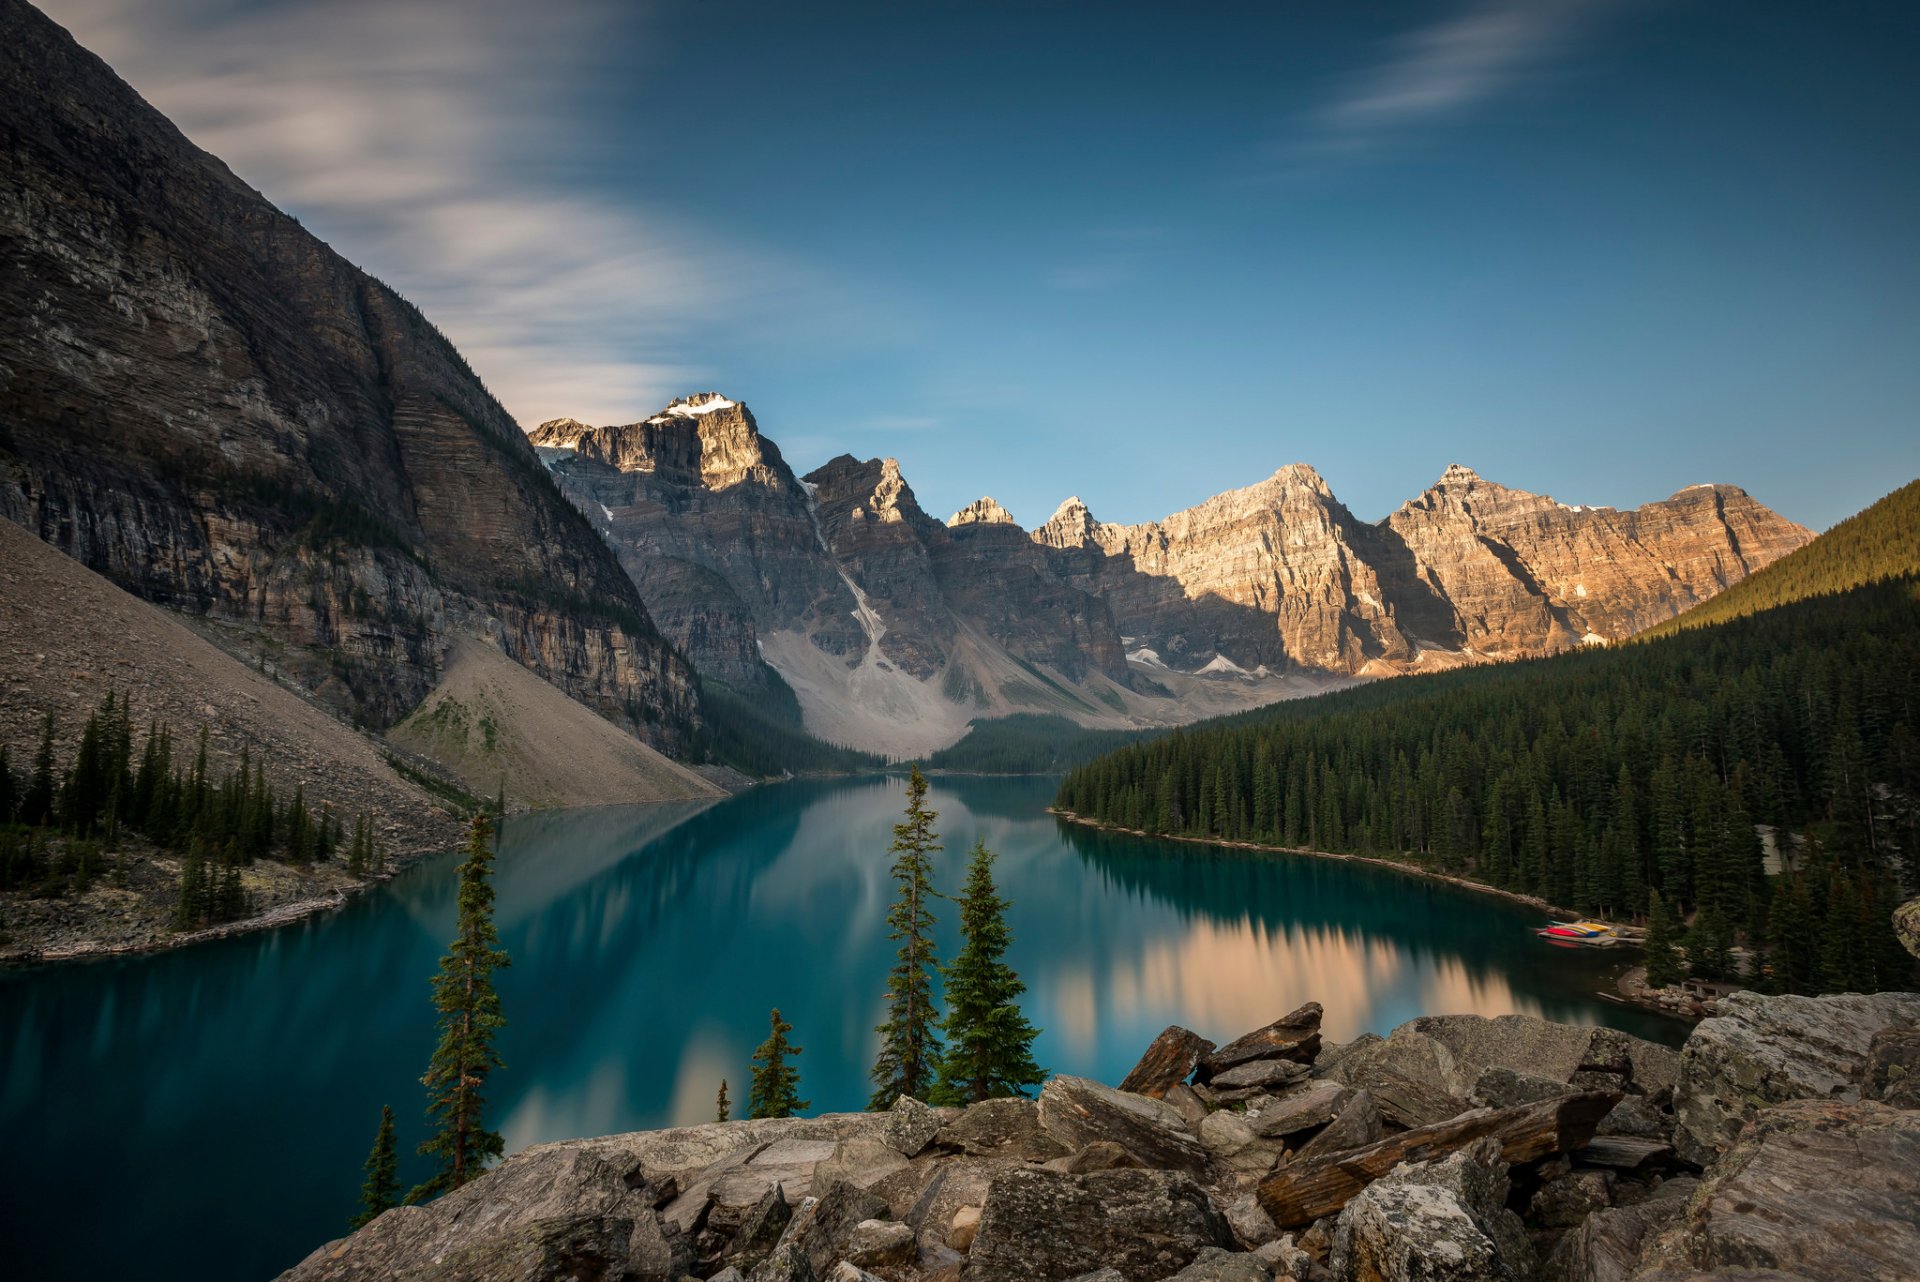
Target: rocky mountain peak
x=1070 y=526
x=559 y=433
x=982 y=511
x=1458 y=474
x=697 y=405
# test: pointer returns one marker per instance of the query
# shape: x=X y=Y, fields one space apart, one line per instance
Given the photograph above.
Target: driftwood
x=1298 y=1194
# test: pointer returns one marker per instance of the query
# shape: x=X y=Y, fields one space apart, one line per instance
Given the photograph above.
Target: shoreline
x=284 y=914
x=1629 y=934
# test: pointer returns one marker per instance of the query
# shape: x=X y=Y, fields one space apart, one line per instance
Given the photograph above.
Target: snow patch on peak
x=694 y=406
x=1593 y=638
x=1145 y=657
x=1221 y=665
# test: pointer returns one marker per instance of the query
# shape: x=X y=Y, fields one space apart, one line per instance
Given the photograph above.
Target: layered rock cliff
x=895 y=629
x=1282 y=575
x=210 y=407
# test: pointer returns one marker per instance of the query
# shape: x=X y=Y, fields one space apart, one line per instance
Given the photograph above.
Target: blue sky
x=1601 y=249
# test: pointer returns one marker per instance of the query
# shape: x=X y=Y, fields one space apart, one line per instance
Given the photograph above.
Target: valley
x=1454 y=881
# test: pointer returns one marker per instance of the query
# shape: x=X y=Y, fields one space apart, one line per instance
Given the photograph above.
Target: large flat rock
x=1768 y=1050
x=1825 y=1189
x=1044 y=1226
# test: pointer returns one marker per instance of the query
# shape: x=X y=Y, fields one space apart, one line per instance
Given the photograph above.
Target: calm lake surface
x=204 y=1113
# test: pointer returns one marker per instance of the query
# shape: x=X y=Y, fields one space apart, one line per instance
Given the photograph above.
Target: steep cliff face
x=714 y=529
x=1266 y=576
x=1527 y=575
x=206 y=404
x=1281 y=575
x=893 y=629
x=896 y=629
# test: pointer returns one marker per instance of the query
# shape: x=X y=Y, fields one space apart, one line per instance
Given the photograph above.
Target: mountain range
x=896 y=629
x=207 y=405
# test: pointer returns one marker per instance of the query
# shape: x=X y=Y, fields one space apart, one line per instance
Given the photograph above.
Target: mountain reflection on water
x=648 y=945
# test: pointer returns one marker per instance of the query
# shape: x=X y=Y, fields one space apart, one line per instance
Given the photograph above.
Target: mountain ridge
x=211 y=407
x=935 y=623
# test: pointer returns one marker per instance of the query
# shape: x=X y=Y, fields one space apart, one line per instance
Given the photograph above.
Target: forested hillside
x=1880 y=542
x=1594 y=778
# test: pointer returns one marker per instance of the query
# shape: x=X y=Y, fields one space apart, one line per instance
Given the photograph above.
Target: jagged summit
x=1458 y=474
x=700 y=403
x=985 y=510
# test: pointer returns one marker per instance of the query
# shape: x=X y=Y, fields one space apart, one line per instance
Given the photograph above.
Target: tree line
x=1595 y=779
x=58 y=827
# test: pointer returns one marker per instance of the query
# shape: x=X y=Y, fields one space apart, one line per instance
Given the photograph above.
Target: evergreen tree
x=909 y=1051
x=381 y=1191
x=37 y=806
x=722 y=1106
x=775 y=1088
x=1663 y=958
x=470 y=1017
x=989 y=1041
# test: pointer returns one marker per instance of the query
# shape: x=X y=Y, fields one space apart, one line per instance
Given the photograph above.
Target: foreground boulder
x=1816 y=1188
x=1769 y=1050
x=1304 y=1190
x=1294 y=1036
x=541 y=1217
x=1171 y=1060
x=1450 y=1054
x=1607 y=1245
x=1444 y=1221
x=1043 y=1226
x=1076 y=1113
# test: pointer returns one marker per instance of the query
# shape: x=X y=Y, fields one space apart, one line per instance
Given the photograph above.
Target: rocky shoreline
x=134 y=915
x=1782 y=1142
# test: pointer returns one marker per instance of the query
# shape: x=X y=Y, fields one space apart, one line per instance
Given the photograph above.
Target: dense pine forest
x=1594 y=779
x=1028 y=743
x=1880 y=543
x=60 y=830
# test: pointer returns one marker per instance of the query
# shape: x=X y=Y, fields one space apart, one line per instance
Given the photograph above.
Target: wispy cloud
x=435 y=145
x=1445 y=68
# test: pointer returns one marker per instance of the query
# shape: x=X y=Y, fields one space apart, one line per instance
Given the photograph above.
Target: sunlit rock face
x=209 y=406
x=1282 y=575
x=731 y=549
x=1527 y=575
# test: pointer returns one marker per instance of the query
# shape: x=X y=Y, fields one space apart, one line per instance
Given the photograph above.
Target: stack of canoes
x=1584 y=934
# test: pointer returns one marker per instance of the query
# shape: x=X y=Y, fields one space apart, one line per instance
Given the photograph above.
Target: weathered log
x=1303 y=1191
x=1170 y=1060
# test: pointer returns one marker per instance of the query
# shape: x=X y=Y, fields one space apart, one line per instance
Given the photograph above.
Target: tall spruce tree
x=722 y=1106
x=1663 y=959
x=37 y=806
x=381 y=1190
x=775 y=1088
x=909 y=1050
x=989 y=1041
x=470 y=1017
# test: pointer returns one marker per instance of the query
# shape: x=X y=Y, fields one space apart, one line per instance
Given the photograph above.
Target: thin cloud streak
x=1445 y=68
x=421 y=145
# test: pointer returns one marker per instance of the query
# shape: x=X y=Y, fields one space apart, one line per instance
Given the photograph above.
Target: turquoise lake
x=204 y=1113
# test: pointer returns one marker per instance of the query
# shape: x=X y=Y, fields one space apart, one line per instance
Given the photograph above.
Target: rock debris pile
x=1782 y=1142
